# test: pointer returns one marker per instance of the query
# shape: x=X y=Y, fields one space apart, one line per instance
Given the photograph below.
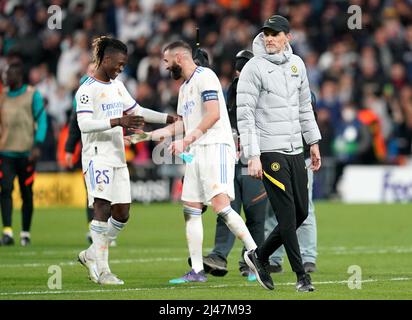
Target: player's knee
x=196 y=205
x=121 y=218
x=220 y=202
x=120 y=212
x=102 y=208
x=219 y=207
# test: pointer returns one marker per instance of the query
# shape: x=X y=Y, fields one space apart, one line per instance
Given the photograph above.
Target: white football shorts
x=211 y=172
x=108 y=183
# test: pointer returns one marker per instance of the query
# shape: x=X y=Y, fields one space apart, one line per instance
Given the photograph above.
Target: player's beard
x=176 y=71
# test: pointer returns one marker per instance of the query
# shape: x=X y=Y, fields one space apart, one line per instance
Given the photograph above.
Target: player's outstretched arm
x=171 y=130
x=128 y=122
x=151 y=116
x=88 y=125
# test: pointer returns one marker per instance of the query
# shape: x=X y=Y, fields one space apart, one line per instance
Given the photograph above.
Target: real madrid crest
x=275 y=166
x=294 y=69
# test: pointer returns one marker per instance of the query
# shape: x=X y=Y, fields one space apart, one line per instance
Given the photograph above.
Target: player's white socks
x=238 y=227
x=98 y=231
x=194 y=236
x=24 y=234
x=114 y=227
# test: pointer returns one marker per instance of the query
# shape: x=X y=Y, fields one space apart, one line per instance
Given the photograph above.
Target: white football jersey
x=104 y=100
x=204 y=86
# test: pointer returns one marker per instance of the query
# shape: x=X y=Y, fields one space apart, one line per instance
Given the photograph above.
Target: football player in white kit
x=101 y=102
x=209 y=177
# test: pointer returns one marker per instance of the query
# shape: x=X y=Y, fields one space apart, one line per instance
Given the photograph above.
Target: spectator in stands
x=352 y=140
x=135 y=23
x=69 y=64
x=329 y=101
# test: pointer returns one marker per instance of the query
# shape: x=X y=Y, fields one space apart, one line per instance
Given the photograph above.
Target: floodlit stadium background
x=370 y=67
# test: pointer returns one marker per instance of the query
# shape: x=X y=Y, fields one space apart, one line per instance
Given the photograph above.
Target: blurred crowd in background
x=362 y=78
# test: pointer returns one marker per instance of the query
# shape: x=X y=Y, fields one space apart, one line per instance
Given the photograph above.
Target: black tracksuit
x=286 y=183
x=287 y=187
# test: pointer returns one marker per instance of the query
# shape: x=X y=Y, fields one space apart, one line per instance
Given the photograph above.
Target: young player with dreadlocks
x=102 y=101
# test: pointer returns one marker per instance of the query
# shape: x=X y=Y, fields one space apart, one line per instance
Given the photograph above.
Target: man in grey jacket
x=274 y=111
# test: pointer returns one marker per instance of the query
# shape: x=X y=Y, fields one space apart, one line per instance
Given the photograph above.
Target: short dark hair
x=178 y=44
x=106 y=45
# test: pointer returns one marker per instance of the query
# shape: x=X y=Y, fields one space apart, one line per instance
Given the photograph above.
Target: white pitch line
x=57 y=292
x=74 y=252
x=75 y=263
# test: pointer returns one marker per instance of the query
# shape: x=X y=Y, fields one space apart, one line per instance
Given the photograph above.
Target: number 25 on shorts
x=102 y=177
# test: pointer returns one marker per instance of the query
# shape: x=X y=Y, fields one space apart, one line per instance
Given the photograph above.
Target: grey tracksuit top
x=274 y=103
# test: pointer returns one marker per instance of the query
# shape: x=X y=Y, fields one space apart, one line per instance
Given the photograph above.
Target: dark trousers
x=24 y=170
x=286 y=182
x=251 y=194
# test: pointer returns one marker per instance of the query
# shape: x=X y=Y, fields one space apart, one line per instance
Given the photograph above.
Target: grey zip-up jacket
x=274 y=103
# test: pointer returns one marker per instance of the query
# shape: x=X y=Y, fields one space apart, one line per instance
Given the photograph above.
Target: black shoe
x=25 y=241
x=304 y=284
x=275 y=268
x=309 y=267
x=244 y=271
x=7 y=240
x=260 y=269
x=213 y=264
x=217 y=266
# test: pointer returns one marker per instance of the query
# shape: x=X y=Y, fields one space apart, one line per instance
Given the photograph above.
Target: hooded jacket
x=274 y=103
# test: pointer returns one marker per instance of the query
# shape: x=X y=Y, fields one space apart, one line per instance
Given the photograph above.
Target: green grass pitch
x=152 y=250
